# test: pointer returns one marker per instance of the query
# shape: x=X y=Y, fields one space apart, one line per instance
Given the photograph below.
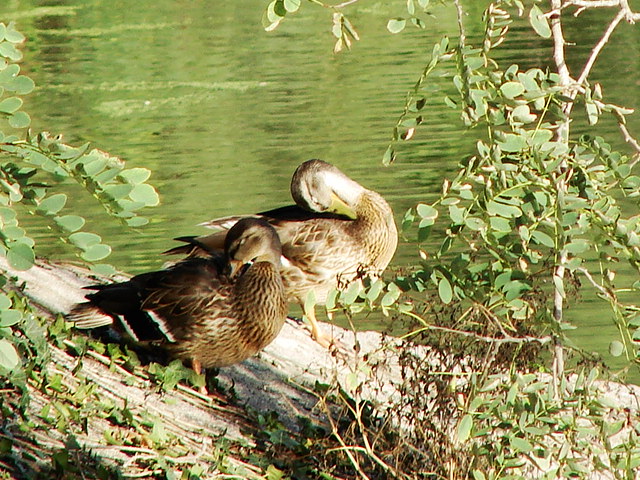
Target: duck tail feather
x=87 y=315
x=223 y=223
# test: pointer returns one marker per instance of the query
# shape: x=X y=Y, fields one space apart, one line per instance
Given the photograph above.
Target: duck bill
x=341 y=208
x=234 y=268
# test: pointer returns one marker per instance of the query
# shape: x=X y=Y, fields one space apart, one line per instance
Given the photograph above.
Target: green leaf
x=542 y=238
x=9 y=358
x=523 y=114
x=22 y=85
x=520 y=444
x=8 y=50
x=389 y=298
x=93 y=165
x=96 y=252
x=12 y=35
x=445 y=291
x=503 y=210
x=84 y=240
x=273 y=15
x=592 y=112
x=426 y=211
x=21 y=256
x=5 y=302
x=20 y=120
x=119 y=191
x=10 y=317
x=539 y=22
x=478 y=475
x=53 y=204
x=463 y=430
x=579 y=245
x=135 y=175
x=512 y=143
x=475 y=223
x=456 y=214
x=146 y=194
x=511 y=89
x=137 y=221
x=13 y=232
x=291 y=5
x=349 y=296
x=616 y=348
x=70 y=223
x=396 y=25
x=10 y=105
x=389 y=156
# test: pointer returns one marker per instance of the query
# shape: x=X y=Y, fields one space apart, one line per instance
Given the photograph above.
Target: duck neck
x=259 y=297
x=373 y=213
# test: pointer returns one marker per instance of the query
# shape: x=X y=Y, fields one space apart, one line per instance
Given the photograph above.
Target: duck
x=337 y=231
x=213 y=310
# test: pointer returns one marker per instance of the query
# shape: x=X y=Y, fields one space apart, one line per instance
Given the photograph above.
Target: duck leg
x=324 y=340
x=196 y=366
x=335 y=346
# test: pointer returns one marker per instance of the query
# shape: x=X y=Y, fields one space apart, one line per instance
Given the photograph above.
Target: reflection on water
x=223 y=112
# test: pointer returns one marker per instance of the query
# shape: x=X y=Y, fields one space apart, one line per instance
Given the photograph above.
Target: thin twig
x=464 y=333
x=599 y=46
x=459 y=15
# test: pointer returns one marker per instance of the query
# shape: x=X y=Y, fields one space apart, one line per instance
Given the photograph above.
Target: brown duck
x=214 y=310
x=337 y=231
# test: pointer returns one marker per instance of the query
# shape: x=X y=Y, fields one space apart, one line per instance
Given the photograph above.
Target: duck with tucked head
x=336 y=232
x=213 y=310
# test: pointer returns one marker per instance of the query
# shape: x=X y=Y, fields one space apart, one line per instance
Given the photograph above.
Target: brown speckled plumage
x=196 y=309
x=337 y=231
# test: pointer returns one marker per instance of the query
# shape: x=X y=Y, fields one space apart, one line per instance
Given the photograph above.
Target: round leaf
x=13 y=35
x=21 y=256
x=84 y=240
x=5 y=302
x=10 y=105
x=539 y=22
x=20 y=120
x=7 y=50
x=119 y=191
x=512 y=142
x=23 y=85
x=9 y=358
x=396 y=25
x=53 y=204
x=146 y=194
x=70 y=223
x=463 y=432
x=96 y=252
x=135 y=175
x=137 y=221
x=503 y=210
x=616 y=348
x=291 y=5
x=427 y=211
x=9 y=317
x=445 y=291
x=512 y=89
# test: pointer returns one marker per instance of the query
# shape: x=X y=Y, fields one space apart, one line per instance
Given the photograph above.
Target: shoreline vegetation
x=98 y=414
x=486 y=384
x=103 y=415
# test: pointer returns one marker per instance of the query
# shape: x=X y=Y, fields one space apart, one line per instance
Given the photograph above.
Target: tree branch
x=599 y=46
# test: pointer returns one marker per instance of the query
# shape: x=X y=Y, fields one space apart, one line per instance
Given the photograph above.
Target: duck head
x=251 y=240
x=320 y=187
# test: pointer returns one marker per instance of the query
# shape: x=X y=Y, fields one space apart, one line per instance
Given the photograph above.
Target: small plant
x=533 y=216
x=33 y=172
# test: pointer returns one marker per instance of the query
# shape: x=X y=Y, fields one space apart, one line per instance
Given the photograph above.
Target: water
x=222 y=112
